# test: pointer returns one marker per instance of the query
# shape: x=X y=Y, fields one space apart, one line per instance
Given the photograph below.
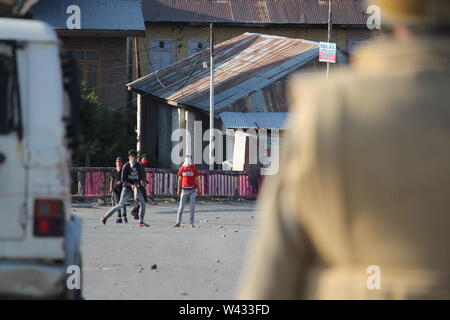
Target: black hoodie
x=132 y=175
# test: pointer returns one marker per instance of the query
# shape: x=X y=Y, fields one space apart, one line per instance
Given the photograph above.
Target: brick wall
x=114 y=69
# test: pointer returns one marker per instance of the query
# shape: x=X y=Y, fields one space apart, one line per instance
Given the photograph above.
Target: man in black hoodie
x=133 y=178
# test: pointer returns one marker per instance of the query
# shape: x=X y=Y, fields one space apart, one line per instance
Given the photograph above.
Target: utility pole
x=138 y=100
x=211 y=98
x=329 y=31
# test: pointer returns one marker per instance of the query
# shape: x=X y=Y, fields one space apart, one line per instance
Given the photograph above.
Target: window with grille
x=197 y=45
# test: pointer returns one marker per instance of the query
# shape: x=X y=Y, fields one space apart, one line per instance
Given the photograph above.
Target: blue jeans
x=124 y=196
x=115 y=197
x=187 y=194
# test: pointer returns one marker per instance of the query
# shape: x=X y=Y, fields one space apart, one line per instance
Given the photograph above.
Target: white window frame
x=155 y=49
x=204 y=41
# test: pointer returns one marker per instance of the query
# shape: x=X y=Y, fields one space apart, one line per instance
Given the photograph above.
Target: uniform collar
x=387 y=55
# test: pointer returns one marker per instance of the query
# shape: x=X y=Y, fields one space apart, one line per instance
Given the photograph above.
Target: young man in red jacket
x=188 y=185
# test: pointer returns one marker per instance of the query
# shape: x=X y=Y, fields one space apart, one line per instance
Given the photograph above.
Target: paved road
x=200 y=263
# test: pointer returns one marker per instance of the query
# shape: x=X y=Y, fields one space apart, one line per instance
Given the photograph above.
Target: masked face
x=187 y=161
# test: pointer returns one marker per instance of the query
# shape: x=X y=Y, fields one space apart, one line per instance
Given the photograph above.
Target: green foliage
x=105 y=133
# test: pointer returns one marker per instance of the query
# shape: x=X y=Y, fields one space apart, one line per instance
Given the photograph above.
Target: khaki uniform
x=365 y=180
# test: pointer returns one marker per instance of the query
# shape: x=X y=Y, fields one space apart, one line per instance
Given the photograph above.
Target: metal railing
x=94 y=182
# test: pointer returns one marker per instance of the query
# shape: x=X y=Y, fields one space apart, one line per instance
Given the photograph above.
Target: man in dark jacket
x=144 y=161
x=115 y=188
x=132 y=178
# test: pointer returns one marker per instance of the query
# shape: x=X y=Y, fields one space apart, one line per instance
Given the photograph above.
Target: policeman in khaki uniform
x=361 y=206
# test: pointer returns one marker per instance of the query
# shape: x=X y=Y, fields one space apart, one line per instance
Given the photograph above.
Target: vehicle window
x=9 y=93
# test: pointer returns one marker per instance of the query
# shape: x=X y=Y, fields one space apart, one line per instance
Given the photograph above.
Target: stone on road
x=123 y=261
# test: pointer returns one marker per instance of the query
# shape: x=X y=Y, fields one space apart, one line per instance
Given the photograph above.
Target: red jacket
x=188 y=174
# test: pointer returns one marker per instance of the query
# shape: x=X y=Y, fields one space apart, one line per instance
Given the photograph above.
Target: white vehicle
x=39 y=237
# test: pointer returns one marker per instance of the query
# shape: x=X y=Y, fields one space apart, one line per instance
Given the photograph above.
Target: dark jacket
x=132 y=175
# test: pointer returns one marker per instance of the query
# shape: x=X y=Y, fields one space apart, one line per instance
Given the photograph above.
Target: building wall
x=114 y=66
x=159 y=121
x=182 y=35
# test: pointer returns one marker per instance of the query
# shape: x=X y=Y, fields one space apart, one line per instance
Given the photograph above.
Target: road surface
x=161 y=262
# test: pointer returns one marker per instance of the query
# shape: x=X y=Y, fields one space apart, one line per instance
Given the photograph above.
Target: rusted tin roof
x=250 y=74
x=347 y=12
x=255 y=120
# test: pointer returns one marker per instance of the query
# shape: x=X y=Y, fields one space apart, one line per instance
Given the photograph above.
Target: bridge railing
x=94 y=182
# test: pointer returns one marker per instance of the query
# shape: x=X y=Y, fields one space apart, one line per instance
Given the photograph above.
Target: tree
x=105 y=133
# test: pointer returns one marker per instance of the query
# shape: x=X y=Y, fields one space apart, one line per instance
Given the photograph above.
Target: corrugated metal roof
x=254 y=120
x=95 y=14
x=350 y=12
x=249 y=73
